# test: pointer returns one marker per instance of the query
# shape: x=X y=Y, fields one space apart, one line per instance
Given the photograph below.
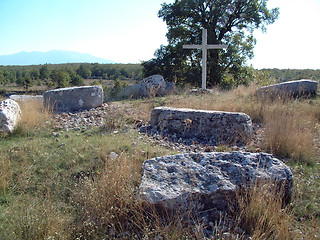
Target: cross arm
x=213 y=46
x=217 y=46
x=192 y=46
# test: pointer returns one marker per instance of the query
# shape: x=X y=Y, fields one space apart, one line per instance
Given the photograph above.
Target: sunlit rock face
x=202 y=181
x=299 y=88
x=229 y=128
x=9 y=115
x=74 y=98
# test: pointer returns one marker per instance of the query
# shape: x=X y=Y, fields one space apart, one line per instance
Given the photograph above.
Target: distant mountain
x=51 y=57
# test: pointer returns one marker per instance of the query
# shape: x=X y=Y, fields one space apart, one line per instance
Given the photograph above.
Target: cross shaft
x=204 y=47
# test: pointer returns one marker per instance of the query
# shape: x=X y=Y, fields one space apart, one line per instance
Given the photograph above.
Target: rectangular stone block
x=220 y=127
x=299 y=88
x=74 y=98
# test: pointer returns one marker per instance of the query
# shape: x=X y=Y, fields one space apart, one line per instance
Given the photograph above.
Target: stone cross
x=204 y=48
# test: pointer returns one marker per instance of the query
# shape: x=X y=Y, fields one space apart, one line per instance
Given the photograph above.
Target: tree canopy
x=230 y=22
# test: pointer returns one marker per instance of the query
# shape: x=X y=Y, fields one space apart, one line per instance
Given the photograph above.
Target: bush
x=118 y=88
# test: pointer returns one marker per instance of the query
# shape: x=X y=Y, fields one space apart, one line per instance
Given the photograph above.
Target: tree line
x=63 y=75
x=74 y=74
x=282 y=75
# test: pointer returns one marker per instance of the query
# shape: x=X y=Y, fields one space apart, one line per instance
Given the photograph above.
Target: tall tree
x=230 y=22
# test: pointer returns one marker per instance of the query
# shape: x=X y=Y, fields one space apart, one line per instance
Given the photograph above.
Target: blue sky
x=128 y=31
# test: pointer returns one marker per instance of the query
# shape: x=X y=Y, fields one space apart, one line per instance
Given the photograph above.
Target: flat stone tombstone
x=74 y=98
x=202 y=181
x=9 y=115
x=299 y=88
x=153 y=85
x=216 y=126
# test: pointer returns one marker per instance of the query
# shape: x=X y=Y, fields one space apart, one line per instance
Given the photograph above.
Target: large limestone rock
x=150 y=86
x=9 y=115
x=202 y=181
x=153 y=85
x=132 y=91
x=74 y=98
x=304 y=87
x=218 y=127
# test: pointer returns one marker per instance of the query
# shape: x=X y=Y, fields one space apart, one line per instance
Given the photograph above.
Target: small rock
x=113 y=156
x=54 y=134
x=227 y=236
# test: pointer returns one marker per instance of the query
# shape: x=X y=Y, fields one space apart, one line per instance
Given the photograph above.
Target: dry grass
x=35 y=218
x=33 y=114
x=105 y=201
x=290 y=131
x=260 y=212
x=5 y=173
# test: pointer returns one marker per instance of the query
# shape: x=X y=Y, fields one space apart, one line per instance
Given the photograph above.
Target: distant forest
x=73 y=74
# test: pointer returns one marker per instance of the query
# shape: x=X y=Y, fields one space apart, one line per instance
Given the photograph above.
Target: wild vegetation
x=71 y=187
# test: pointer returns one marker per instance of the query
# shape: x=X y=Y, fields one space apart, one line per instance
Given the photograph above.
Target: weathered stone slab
x=304 y=87
x=201 y=181
x=74 y=98
x=9 y=115
x=26 y=98
x=219 y=127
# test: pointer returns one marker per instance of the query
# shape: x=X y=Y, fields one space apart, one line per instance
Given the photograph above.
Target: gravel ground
x=85 y=120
